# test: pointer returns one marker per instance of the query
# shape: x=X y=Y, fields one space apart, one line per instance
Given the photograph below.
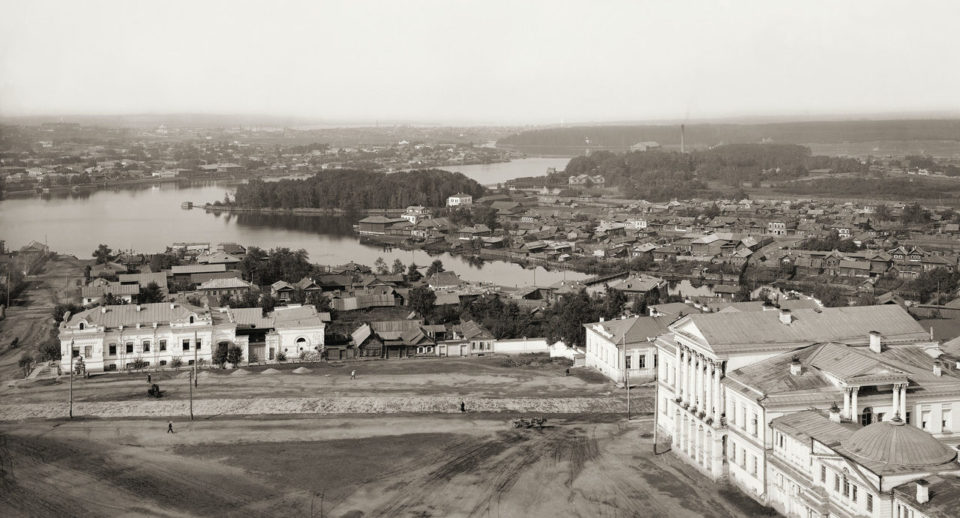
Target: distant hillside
x=572 y=141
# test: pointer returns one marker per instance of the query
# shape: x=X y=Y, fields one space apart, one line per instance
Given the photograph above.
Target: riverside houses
x=115 y=337
x=730 y=386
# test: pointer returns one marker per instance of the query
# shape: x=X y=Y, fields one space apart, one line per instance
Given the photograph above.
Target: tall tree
x=422 y=300
x=103 y=254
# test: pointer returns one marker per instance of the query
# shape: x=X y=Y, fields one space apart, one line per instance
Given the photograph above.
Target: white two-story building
x=626 y=345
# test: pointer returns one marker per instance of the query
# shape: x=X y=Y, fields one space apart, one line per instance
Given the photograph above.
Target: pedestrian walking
x=149 y=379
x=170 y=427
x=353 y=374
x=568 y=372
x=463 y=407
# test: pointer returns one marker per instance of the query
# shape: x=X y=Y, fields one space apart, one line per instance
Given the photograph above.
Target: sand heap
x=240 y=372
x=270 y=372
x=302 y=370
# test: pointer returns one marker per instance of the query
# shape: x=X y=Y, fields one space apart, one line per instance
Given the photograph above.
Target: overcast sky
x=486 y=61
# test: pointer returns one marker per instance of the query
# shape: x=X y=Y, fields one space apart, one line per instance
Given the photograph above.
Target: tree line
x=354 y=190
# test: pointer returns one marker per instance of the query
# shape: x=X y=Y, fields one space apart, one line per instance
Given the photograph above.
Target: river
x=148 y=218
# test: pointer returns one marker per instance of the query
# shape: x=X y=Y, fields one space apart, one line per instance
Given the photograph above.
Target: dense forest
x=620 y=138
x=349 y=190
x=662 y=175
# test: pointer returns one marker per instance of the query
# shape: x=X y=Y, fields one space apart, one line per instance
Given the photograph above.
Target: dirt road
x=31 y=319
x=384 y=466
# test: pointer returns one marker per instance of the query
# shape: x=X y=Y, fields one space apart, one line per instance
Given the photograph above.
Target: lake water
x=149 y=218
x=492 y=174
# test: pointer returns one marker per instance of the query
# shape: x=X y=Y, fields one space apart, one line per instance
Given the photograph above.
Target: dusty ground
x=357 y=466
x=31 y=318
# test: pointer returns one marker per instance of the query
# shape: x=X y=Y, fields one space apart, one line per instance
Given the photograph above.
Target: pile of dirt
x=270 y=372
x=302 y=370
x=240 y=372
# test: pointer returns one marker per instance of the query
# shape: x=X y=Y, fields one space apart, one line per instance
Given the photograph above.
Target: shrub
x=177 y=362
x=253 y=357
x=235 y=355
x=281 y=356
x=139 y=364
x=26 y=363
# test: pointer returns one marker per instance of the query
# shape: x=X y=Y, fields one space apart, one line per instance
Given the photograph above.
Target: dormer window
x=191 y=319
x=81 y=326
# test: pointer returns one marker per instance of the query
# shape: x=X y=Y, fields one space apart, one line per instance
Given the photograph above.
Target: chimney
x=786 y=317
x=876 y=343
x=173 y=305
x=682 y=138
x=937 y=368
x=923 y=491
x=796 y=368
x=103 y=309
x=139 y=308
x=835 y=413
x=601 y=319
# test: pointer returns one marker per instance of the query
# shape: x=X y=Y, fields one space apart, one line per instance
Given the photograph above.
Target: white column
x=708 y=389
x=676 y=374
x=717 y=396
x=699 y=383
x=689 y=386
x=696 y=443
x=854 y=408
x=717 y=455
x=677 y=430
x=896 y=399
x=903 y=402
x=846 y=403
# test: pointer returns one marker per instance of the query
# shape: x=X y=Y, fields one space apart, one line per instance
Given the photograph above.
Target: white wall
x=521 y=346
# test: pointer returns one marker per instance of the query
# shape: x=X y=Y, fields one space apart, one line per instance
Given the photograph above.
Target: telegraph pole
x=71 y=379
x=196 y=345
x=191 y=395
x=626 y=372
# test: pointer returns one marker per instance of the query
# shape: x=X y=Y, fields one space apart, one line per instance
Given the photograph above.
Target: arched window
x=866 y=416
x=81 y=326
x=191 y=319
x=301 y=343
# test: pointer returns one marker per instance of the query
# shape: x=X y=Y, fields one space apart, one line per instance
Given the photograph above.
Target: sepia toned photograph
x=479 y=258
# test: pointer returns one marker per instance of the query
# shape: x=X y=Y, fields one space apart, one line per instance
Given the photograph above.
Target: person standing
x=170 y=427
x=149 y=379
x=353 y=374
x=463 y=407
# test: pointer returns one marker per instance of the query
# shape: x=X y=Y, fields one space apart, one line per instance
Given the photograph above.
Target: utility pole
x=71 y=379
x=191 y=395
x=196 y=345
x=626 y=372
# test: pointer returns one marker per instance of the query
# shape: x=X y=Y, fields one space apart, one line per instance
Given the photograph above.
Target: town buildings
x=730 y=386
x=624 y=347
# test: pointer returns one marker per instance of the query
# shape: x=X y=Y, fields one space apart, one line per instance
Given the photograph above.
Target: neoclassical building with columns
x=706 y=416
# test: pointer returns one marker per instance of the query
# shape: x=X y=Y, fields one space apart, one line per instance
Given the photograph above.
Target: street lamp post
x=190 y=383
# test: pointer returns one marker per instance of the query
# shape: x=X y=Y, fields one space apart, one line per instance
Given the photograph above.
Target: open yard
x=455 y=465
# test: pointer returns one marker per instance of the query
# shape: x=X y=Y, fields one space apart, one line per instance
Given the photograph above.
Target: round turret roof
x=898 y=445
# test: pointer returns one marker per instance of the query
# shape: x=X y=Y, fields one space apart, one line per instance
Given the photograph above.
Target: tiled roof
x=222 y=284
x=633 y=330
x=726 y=332
x=812 y=424
x=133 y=314
x=895 y=446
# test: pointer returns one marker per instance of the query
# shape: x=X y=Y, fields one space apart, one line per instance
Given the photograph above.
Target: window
x=129 y=347
x=163 y=362
x=81 y=326
x=642 y=362
x=781 y=441
x=654 y=361
x=628 y=362
x=780 y=480
x=853 y=493
x=869 y=503
x=76 y=353
x=753 y=465
x=663 y=407
x=946 y=419
x=823 y=474
x=925 y=420
x=846 y=486
x=163 y=345
x=146 y=346
x=88 y=351
x=186 y=344
x=199 y=343
x=753 y=424
x=866 y=416
x=733 y=452
x=836 y=483
x=112 y=348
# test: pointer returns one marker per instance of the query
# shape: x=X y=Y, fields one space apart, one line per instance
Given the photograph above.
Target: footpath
x=317 y=406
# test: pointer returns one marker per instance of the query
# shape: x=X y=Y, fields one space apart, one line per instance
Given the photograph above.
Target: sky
x=480 y=62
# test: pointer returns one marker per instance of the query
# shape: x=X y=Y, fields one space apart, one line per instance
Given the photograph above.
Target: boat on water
x=186 y=205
